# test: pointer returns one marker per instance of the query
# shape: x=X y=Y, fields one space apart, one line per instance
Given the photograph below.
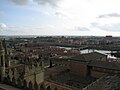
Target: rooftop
x=88 y=56
x=73 y=80
x=107 y=82
x=7 y=87
x=111 y=82
x=103 y=64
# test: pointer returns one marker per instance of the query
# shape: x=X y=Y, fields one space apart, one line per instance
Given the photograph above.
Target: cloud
x=2 y=26
x=9 y=30
x=109 y=15
x=107 y=22
x=53 y=3
x=13 y=30
x=78 y=28
x=61 y=14
x=19 y=2
x=112 y=27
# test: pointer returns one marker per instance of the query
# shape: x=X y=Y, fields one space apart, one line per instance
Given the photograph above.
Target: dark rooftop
x=103 y=64
x=73 y=80
x=88 y=56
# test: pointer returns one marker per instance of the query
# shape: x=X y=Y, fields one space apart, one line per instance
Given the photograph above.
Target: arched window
x=30 y=85
x=24 y=84
x=35 y=86
x=13 y=81
x=19 y=83
x=48 y=88
x=55 y=89
x=8 y=80
x=42 y=87
x=1 y=60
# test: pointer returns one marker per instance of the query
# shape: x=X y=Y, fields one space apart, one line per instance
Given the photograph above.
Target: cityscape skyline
x=60 y=17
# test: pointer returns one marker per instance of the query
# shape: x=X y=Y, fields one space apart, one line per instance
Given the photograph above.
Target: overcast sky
x=60 y=17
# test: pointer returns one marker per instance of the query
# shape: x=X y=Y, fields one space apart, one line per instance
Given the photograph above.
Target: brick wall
x=97 y=74
x=79 y=68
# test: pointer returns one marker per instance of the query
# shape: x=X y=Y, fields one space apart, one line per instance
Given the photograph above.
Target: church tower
x=2 y=62
x=7 y=58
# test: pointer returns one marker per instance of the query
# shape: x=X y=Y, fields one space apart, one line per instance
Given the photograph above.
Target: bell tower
x=2 y=62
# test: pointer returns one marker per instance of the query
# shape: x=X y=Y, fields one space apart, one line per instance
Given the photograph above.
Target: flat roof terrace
x=73 y=80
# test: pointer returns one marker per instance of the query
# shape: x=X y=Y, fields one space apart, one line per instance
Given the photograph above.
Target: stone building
x=84 y=70
x=93 y=64
x=22 y=75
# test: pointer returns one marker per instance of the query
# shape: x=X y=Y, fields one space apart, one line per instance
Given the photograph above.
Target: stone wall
x=79 y=68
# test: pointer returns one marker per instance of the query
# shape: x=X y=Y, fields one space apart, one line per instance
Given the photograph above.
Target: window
x=1 y=60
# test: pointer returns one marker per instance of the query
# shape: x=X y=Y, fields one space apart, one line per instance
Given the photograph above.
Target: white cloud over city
x=67 y=17
x=2 y=26
x=109 y=15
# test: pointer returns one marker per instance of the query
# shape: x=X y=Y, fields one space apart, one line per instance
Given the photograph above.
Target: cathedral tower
x=2 y=62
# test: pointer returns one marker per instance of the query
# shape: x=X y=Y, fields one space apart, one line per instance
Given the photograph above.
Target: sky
x=60 y=17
